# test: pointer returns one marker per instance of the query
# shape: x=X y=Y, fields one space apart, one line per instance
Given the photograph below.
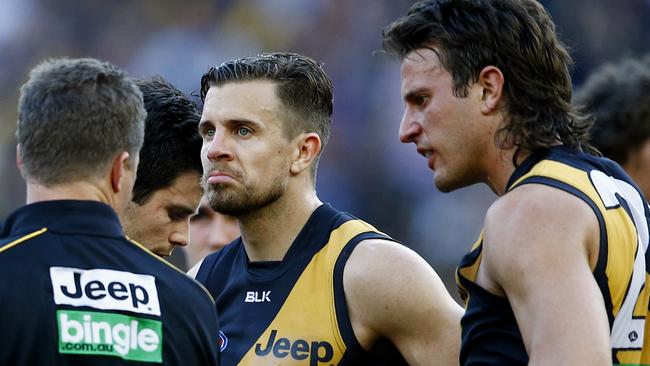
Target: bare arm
x=393 y=293
x=540 y=245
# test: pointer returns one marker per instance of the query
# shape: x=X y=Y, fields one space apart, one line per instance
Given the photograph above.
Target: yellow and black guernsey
x=490 y=335
x=291 y=312
x=75 y=291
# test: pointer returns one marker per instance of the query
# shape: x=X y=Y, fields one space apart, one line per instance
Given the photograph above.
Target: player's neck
x=501 y=165
x=269 y=232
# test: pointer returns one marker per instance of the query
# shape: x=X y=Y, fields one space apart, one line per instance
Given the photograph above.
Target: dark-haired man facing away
x=75 y=290
x=167 y=189
x=305 y=284
x=558 y=274
x=617 y=95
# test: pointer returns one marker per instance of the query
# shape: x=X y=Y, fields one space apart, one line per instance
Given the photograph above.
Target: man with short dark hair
x=305 y=283
x=76 y=290
x=167 y=189
x=617 y=95
x=557 y=276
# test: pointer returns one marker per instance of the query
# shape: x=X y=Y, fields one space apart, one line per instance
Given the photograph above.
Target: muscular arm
x=540 y=245
x=393 y=293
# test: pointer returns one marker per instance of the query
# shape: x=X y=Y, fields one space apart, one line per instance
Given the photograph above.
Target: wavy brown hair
x=519 y=38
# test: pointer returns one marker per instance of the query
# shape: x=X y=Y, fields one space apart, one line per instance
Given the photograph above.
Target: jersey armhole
x=353 y=347
x=599 y=271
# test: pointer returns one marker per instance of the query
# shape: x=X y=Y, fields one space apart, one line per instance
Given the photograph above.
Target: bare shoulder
x=383 y=262
x=394 y=293
x=533 y=222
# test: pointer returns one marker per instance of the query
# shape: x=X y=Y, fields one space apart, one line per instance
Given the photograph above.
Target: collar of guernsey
x=64 y=216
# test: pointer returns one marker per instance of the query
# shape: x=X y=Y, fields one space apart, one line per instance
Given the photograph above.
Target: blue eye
x=209 y=132
x=243 y=131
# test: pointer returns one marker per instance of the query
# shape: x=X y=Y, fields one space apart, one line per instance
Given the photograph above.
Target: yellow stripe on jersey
x=23 y=239
x=148 y=251
x=621 y=245
x=317 y=333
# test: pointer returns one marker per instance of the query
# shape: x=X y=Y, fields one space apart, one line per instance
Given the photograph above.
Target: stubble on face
x=448 y=124
x=237 y=201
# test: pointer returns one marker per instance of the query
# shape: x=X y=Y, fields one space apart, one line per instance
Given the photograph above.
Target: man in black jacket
x=76 y=290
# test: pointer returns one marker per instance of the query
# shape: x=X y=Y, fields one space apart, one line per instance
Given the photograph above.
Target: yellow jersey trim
x=146 y=250
x=23 y=239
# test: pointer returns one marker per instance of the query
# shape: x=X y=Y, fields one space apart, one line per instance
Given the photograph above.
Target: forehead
x=184 y=191
x=419 y=67
x=246 y=100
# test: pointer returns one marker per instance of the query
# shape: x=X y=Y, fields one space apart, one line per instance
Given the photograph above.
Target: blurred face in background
x=209 y=232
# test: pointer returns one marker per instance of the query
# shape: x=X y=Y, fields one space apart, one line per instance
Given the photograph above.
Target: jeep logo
x=317 y=352
x=105 y=289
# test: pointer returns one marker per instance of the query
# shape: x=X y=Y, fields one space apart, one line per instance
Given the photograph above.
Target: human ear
x=308 y=146
x=491 y=82
x=118 y=172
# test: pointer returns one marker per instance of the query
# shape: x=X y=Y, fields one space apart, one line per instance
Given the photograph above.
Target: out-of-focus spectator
x=209 y=232
x=618 y=97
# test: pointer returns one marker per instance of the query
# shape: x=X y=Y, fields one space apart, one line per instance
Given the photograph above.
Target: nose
x=409 y=128
x=179 y=236
x=218 y=148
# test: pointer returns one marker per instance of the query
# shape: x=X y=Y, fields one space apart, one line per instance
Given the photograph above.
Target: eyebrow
x=204 y=122
x=413 y=94
x=233 y=121
x=243 y=121
x=181 y=210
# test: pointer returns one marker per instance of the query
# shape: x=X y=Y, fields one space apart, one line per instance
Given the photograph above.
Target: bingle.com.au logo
x=106 y=333
x=94 y=333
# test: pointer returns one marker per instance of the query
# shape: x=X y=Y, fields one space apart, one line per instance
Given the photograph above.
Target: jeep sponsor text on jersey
x=317 y=351
x=105 y=289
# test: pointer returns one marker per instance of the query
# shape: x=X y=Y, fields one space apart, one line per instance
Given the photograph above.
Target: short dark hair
x=516 y=36
x=172 y=144
x=618 y=97
x=73 y=105
x=303 y=88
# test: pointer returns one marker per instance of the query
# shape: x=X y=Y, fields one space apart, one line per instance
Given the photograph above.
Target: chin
x=445 y=185
x=161 y=252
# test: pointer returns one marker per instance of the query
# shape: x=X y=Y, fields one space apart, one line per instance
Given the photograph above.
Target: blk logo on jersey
x=105 y=289
x=317 y=351
x=257 y=296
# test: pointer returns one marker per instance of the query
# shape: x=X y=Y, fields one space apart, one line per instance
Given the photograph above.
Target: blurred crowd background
x=365 y=170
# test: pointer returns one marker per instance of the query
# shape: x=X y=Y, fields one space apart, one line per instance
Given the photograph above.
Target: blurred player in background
x=557 y=276
x=305 y=283
x=167 y=189
x=75 y=290
x=209 y=232
x=618 y=97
